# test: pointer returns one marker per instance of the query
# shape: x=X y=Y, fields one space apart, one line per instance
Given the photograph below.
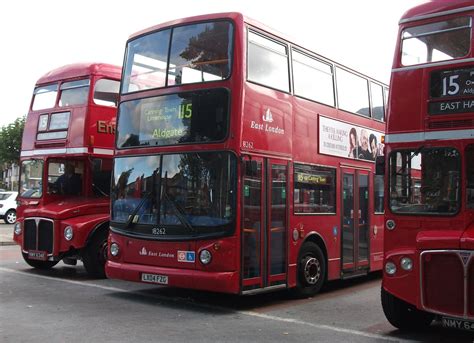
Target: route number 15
x=450 y=85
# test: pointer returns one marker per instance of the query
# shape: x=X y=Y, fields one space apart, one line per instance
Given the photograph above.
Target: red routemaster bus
x=243 y=162
x=429 y=228
x=66 y=165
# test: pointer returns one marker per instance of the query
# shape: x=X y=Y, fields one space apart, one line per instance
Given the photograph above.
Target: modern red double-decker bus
x=66 y=165
x=243 y=162
x=429 y=228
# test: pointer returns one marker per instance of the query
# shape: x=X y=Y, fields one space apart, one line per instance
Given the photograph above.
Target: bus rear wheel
x=43 y=265
x=403 y=315
x=95 y=255
x=311 y=270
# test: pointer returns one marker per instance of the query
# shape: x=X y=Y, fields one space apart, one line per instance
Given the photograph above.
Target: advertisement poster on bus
x=341 y=139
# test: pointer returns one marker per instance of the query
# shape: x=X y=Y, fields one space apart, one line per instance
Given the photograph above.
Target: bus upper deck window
x=44 y=97
x=106 y=92
x=74 y=93
x=440 y=41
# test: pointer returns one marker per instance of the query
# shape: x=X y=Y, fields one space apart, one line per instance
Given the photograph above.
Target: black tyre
x=43 y=265
x=311 y=270
x=403 y=315
x=10 y=217
x=95 y=254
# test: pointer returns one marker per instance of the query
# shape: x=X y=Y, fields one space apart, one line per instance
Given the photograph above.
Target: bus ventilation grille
x=38 y=235
x=444 y=289
x=451 y=124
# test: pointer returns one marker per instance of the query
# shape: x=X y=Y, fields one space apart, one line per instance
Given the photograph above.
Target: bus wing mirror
x=380 y=165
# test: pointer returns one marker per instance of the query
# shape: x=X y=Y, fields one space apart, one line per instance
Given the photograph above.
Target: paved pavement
x=6 y=234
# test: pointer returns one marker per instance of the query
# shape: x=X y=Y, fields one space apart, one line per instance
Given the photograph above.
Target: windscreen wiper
x=179 y=213
x=131 y=218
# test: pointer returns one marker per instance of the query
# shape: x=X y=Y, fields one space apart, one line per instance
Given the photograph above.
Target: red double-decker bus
x=66 y=164
x=429 y=228
x=243 y=162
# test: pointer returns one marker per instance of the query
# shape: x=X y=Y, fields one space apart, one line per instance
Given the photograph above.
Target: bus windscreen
x=183 y=194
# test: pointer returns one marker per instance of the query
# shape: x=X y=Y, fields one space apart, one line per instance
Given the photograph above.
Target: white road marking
x=246 y=313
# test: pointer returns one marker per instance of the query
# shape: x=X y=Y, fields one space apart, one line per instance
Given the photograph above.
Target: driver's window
x=65 y=177
x=101 y=174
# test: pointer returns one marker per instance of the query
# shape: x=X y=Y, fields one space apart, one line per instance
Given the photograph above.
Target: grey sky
x=38 y=36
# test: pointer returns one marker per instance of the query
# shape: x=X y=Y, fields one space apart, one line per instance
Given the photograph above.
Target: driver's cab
x=65 y=177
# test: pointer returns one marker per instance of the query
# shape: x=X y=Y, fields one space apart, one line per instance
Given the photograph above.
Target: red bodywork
x=434 y=243
x=299 y=118
x=90 y=135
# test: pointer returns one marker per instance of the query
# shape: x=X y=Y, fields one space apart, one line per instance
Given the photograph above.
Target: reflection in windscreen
x=425 y=181
x=184 y=54
x=194 y=189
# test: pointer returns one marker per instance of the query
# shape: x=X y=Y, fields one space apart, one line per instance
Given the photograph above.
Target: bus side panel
x=266 y=121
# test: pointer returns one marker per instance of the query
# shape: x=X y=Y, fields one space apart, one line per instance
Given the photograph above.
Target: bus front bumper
x=225 y=282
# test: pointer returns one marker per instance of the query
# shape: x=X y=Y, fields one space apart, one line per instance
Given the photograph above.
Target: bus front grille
x=39 y=234
x=29 y=237
x=447 y=282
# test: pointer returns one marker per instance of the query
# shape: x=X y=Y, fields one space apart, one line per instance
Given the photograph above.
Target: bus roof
x=239 y=17
x=80 y=69
x=435 y=8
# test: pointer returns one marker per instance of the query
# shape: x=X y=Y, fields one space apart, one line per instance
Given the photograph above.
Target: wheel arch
x=102 y=226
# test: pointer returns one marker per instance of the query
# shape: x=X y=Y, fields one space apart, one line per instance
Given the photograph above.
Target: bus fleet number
x=247 y=144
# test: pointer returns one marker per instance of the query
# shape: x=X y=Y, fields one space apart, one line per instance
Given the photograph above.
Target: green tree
x=10 y=141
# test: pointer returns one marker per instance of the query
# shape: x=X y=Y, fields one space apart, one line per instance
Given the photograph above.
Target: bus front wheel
x=44 y=265
x=95 y=255
x=311 y=270
x=403 y=315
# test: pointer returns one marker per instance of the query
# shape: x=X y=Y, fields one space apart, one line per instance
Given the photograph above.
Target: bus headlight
x=68 y=233
x=114 y=249
x=390 y=268
x=205 y=256
x=17 y=229
x=406 y=263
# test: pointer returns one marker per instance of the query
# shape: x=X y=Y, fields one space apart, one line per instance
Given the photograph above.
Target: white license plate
x=37 y=255
x=155 y=278
x=457 y=324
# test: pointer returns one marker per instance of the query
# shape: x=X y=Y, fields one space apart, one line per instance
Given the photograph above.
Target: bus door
x=264 y=223
x=355 y=221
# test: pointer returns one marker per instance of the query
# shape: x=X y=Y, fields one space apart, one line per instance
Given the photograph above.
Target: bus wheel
x=403 y=315
x=44 y=265
x=95 y=255
x=311 y=270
